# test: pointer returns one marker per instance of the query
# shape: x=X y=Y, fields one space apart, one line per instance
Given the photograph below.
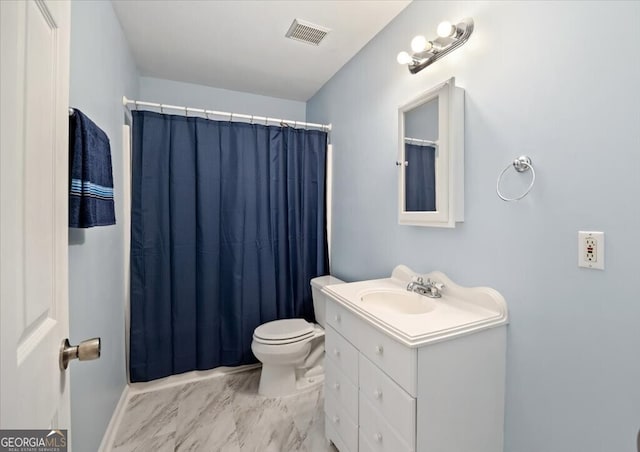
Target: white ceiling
x=240 y=45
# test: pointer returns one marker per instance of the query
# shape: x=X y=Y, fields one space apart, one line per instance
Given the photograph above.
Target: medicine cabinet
x=431 y=158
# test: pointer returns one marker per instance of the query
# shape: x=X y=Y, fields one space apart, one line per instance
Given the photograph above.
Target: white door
x=34 y=87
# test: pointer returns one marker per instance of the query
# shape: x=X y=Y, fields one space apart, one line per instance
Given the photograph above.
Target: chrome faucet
x=429 y=289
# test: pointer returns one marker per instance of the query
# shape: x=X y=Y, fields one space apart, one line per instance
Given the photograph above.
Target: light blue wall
x=559 y=82
x=102 y=71
x=422 y=121
x=190 y=95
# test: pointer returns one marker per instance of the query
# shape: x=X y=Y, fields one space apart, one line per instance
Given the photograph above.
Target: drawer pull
x=337 y=318
x=336 y=386
x=336 y=420
x=378 y=437
x=377 y=394
x=379 y=349
x=336 y=352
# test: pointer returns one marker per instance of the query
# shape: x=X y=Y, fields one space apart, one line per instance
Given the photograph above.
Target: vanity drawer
x=337 y=419
x=332 y=435
x=365 y=444
x=342 y=320
x=395 y=359
x=379 y=434
x=390 y=400
x=337 y=385
x=342 y=353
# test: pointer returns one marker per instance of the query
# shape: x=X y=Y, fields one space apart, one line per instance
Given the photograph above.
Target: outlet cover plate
x=591 y=249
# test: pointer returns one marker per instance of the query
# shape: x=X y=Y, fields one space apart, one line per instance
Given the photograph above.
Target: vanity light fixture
x=425 y=52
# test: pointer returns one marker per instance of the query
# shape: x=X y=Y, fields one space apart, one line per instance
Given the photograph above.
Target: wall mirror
x=430 y=157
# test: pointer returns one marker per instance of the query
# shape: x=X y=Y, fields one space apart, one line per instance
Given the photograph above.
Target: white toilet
x=292 y=350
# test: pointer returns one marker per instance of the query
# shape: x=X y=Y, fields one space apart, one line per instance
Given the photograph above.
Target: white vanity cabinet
x=384 y=395
x=341 y=391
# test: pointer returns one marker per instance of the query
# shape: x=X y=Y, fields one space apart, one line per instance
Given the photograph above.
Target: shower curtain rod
x=420 y=141
x=252 y=118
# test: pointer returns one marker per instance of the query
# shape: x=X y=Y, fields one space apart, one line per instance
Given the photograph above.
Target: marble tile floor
x=222 y=414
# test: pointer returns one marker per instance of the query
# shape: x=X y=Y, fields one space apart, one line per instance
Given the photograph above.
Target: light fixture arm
x=442 y=46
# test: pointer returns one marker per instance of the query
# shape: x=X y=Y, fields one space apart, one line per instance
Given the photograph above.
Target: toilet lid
x=285 y=329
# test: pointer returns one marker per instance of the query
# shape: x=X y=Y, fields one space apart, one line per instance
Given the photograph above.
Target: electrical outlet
x=591 y=249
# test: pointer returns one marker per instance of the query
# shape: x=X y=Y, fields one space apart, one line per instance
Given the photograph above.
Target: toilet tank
x=319 y=298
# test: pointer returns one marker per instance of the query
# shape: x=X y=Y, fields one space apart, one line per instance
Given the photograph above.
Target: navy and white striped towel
x=90 y=174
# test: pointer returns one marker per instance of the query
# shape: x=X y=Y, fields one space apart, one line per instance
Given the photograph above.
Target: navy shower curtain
x=420 y=178
x=228 y=227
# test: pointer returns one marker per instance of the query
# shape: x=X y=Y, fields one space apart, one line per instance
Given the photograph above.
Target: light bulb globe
x=404 y=58
x=446 y=29
x=419 y=44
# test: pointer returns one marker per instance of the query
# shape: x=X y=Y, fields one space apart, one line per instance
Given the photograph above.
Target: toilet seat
x=284 y=331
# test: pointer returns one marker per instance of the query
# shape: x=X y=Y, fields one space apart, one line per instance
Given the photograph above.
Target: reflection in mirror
x=420 y=142
x=420 y=176
x=421 y=122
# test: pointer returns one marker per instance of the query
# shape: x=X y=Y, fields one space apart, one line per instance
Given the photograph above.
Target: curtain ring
x=251 y=120
x=135 y=103
x=186 y=111
x=266 y=121
x=161 y=109
x=230 y=117
x=206 y=114
x=295 y=124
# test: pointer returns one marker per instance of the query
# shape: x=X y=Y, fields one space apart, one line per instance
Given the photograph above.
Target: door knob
x=85 y=351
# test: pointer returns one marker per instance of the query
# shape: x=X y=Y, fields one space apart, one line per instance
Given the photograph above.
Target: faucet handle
x=418 y=279
x=438 y=285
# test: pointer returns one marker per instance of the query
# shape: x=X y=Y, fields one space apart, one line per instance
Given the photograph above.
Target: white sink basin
x=398 y=302
x=415 y=319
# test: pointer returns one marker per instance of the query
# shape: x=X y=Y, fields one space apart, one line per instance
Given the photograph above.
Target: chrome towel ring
x=521 y=165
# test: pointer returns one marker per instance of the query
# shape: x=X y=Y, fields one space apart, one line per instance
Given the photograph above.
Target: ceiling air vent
x=303 y=31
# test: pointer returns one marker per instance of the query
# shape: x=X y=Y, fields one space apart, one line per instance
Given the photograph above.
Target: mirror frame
x=449 y=165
